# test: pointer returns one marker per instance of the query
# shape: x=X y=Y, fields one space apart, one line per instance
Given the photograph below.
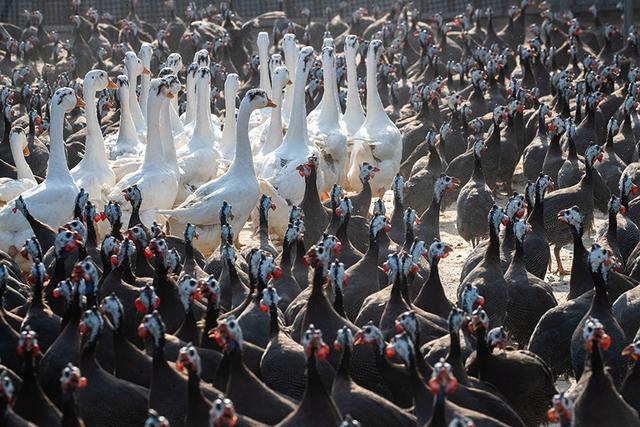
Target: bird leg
x=560 y=271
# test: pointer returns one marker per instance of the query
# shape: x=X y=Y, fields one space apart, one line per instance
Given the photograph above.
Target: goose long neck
x=297 y=131
x=202 y=133
x=94 y=140
x=263 y=53
x=136 y=112
x=168 y=148
x=375 y=109
x=145 y=83
x=274 y=137
x=330 y=110
x=22 y=167
x=243 y=159
x=353 y=100
x=153 y=152
x=126 y=122
x=57 y=166
x=190 y=113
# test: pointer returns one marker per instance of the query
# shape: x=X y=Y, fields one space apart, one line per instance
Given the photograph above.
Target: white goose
x=378 y=141
x=93 y=173
x=228 y=142
x=258 y=134
x=291 y=52
x=51 y=201
x=279 y=166
x=11 y=188
x=199 y=158
x=353 y=114
x=125 y=142
x=134 y=68
x=238 y=186
x=259 y=116
x=189 y=114
x=157 y=181
x=323 y=123
x=271 y=138
x=174 y=62
x=145 y=54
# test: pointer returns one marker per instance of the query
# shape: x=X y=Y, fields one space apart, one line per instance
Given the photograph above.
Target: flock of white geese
x=186 y=166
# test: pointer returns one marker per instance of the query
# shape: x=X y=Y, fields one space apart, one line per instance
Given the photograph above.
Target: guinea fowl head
x=520 y=229
x=594 y=333
x=500 y=114
x=410 y=218
x=445 y=183
x=28 y=343
x=614 y=206
x=190 y=232
x=367 y=171
x=152 y=327
x=313 y=344
x=338 y=278
x=457 y=318
x=148 y=300
x=78 y=227
x=407 y=322
x=627 y=188
x=133 y=195
x=470 y=299
x=332 y=244
x=223 y=413
x=91 y=325
x=496 y=338
x=189 y=290
x=126 y=252
x=479 y=319
x=561 y=410
x=344 y=340
x=65 y=289
x=266 y=203
x=269 y=299
x=401 y=346
x=155 y=420
x=515 y=207
x=461 y=421
x=379 y=208
x=157 y=247
x=612 y=126
x=112 y=213
x=38 y=273
x=497 y=217
x=66 y=241
x=439 y=250
x=228 y=334
x=379 y=223
x=630 y=104
x=7 y=389
x=442 y=380
x=86 y=274
x=479 y=146
x=335 y=194
x=189 y=358
x=599 y=258
x=137 y=235
x=71 y=378
x=210 y=289
x=226 y=212
x=268 y=269
x=369 y=334
x=572 y=217
x=20 y=205
x=112 y=307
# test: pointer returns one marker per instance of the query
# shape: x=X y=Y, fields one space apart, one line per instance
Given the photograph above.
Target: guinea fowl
x=286 y=282
x=355 y=400
x=131 y=364
x=264 y=205
x=31 y=402
x=361 y=284
x=599 y=260
x=129 y=403
x=597 y=383
x=348 y=254
x=189 y=290
x=571 y=170
x=624 y=142
x=474 y=199
x=529 y=296
x=607 y=237
x=190 y=266
x=316 y=215
x=487 y=276
x=362 y=200
x=7 y=416
x=198 y=407
x=537 y=256
x=70 y=381
x=534 y=154
x=428 y=225
x=266 y=405
x=12 y=320
x=529 y=398
x=629 y=389
x=511 y=142
x=39 y=316
x=611 y=166
x=317 y=408
x=142 y=267
x=580 y=194
x=431 y=297
x=553 y=159
x=166 y=382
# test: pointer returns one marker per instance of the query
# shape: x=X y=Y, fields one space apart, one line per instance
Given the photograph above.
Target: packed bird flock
x=169 y=260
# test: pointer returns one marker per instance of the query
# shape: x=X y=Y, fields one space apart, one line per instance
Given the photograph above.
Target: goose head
x=134 y=65
x=174 y=62
x=222 y=412
x=113 y=309
x=470 y=299
x=270 y=299
x=367 y=171
x=257 y=98
x=145 y=54
x=155 y=420
x=496 y=338
x=91 y=325
x=31 y=249
x=280 y=78
x=201 y=58
x=189 y=358
x=65 y=99
x=152 y=327
x=561 y=410
x=351 y=44
x=203 y=76
x=28 y=343
x=189 y=290
x=228 y=334
x=97 y=80
x=71 y=378
x=594 y=333
x=232 y=84
x=18 y=141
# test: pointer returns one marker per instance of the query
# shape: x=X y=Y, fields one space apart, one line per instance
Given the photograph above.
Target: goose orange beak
x=271 y=104
x=146 y=71
x=26 y=152
x=80 y=102
x=112 y=85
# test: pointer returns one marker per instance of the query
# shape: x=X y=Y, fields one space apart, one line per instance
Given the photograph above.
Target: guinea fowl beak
x=562 y=218
x=112 y=85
